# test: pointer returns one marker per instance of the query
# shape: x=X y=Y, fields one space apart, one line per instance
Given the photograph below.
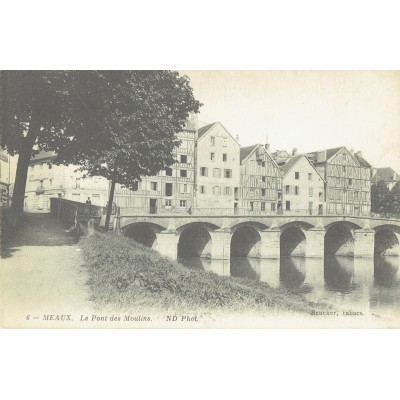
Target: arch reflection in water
x=219 y=267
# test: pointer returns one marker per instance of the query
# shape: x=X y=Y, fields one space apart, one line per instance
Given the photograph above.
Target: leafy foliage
x=379 y=192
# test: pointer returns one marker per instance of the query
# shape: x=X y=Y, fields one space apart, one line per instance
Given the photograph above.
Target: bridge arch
x=339 y=239
x=387 y=240
x=195 y=240
x=246 y=240
x=144 y=233
x=293 y=241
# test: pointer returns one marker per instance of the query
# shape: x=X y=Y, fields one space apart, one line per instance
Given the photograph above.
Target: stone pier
x=220 y=244
x=167 y=244
x=270 y=243
x=315 y=239
x=364 y=242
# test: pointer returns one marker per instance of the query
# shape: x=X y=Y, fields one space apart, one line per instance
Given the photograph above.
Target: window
x=168 y=171
x=202 y=189
x=251 y=192
x=168 y=189
x=51 y=182
x=224 y=142
x=287 y=189
x=288 y=205
x=41 y=185
x=350 y=182
x=184 y=188
x=310 y=177
x=310 y=192
x=320 y=196
x=216 y=190
x=212 y=140
x=224 y=157
x=182 y=203
x=217 y=173
x=183 y=173
x=227 y=173
x=203 y=171
x=273 y=205
x=297 y=175
x=296 y=190
x=228 y=191
x=251 y=205
x=77 y=183
x=153 y=186
x=279 y=195
x=183 y=159
x=135 y=186
x=212 y=156
x=263 y=164
x=168 y=203
x=263 y=192
x=262 y=206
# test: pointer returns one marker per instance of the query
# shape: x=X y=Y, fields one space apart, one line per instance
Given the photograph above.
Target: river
x=370 y=286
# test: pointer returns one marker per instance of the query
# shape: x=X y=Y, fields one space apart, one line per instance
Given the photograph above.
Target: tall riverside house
x=303 y=187
x=348 y=180
x=172 y=189
x=217 y=169
x=387 y=175
x=260 y=181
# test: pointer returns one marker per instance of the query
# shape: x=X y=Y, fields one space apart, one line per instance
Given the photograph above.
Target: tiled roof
x=290 y=163
x=385 y=174
x=328 y=153
x=362 y=161
x=245 y=151
x=204 y=129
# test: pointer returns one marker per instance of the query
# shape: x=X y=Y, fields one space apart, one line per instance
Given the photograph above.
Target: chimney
x=237 y=138
x=294 y=151
x=266 y=146
x=359 y=154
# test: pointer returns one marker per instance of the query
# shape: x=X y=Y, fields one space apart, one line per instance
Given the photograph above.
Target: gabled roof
x=385 y=174
x=246 y=151
x=329 y=153
x=292 y=161
x=362 y=160
x=205 y=129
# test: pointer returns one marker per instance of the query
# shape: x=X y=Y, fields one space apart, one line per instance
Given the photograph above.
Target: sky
x=309 y=110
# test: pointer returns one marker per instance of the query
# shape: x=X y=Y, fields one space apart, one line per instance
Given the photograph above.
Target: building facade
x=217 y=169
x=348 y=180
x=260 y=181
x=387 y=175
x=303 y=187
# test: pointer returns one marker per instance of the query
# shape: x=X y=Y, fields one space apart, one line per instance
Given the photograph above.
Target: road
x=42 y=277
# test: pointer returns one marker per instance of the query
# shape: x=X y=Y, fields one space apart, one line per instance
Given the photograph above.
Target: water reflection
x=359 y=284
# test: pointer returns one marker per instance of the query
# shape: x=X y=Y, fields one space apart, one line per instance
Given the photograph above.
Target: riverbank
x=125 y=275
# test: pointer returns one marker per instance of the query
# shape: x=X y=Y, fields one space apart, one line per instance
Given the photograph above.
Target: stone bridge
x=220 y=237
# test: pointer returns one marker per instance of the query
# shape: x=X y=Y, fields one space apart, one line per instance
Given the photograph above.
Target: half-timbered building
x=348 y=180
x=260 y=181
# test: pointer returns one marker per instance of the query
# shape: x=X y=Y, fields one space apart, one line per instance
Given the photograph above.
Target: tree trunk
x=111 y=196
x=25 y=151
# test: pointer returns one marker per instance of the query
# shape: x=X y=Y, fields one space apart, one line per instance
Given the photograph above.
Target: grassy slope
x=126 y=275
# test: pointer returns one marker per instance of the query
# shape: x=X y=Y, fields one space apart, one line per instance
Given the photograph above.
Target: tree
x=118 y=124
x=47 y=110
x=148 y=109
x=379 y=193
x=393 y=199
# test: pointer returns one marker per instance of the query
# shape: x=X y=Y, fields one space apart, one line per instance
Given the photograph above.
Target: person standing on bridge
x=88 y=206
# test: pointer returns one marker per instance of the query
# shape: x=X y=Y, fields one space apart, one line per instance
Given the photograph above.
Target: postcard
x=200 y=199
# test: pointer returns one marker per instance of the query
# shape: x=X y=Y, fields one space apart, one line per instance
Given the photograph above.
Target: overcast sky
x=310 y=110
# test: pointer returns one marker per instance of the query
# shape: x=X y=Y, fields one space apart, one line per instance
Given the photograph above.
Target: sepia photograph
x=200 y=199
